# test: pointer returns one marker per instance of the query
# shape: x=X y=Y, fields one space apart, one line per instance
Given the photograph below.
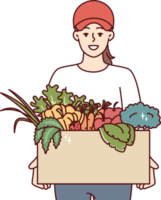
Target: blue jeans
x=100 y=192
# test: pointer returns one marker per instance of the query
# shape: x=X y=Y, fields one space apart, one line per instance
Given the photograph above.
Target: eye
x=100 y=34
x=85 y=34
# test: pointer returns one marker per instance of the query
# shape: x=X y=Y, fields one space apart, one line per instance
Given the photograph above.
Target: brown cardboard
x=88 y=160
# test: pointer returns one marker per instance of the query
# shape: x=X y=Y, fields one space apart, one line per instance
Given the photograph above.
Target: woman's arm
x=33 y=164
x=130 y=94
x=153 y=166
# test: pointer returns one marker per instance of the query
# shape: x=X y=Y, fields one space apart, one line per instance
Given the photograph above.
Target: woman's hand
x=33 y=165
x=153 y=165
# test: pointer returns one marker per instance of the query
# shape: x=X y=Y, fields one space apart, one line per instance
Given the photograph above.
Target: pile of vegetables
x=56 y=111
x=76 y=114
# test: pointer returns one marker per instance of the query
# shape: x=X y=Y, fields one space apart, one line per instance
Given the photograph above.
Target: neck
x=92 y=64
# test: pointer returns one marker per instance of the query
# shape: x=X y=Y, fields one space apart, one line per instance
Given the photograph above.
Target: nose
x=93 y=37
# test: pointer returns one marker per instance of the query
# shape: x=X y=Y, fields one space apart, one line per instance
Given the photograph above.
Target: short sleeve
x=129 y=90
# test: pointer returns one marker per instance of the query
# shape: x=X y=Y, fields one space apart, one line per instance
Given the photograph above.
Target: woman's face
x=93 y=39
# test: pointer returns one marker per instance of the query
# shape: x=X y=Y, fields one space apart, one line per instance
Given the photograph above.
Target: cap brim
x=86 y=22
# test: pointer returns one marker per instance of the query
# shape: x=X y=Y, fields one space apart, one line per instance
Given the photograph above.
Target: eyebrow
x=87 y=28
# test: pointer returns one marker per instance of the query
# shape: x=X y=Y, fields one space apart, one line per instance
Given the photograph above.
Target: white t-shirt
x=112 y=84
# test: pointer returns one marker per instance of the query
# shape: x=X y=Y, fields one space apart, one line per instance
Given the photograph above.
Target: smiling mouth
x=93 y=47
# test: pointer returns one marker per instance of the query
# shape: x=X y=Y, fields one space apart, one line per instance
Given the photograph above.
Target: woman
x=98 y=79
x=93 y=23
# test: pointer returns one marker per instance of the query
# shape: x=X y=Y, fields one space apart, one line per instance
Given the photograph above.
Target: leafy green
x=52 y=97
x=132 y=135
x=25 y=104
x=46 y=130
x=94 y=105
x=40 y=104
x=79 y=101
x=87 y=111
x=91 y=102
x=52 y=94
x=115 y=143
x=28 y=112
x=47 y=135
x=118 y=135
x=56 y=139
x=118 y=131
x=38 y=135
x=65 y=96
x=48 y=104
x=16 y=123
x=49 y=122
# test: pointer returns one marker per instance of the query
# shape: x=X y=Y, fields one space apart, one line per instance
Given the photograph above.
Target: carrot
x=102 y=110
x=91 y=116
x=84 y=125
x=99 y=114
x=90 y=121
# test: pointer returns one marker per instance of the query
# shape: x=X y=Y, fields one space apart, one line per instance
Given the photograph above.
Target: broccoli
x=141 y=115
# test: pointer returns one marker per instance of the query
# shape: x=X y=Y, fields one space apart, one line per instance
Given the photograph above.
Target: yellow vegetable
x=82 y=118
x=62 y=122
x=67 y=120
x=75 y=117
x=79 y=115
x=63 y=109
x=70 y=109
x=43 y=115
x=47 y=114
x=66 y=115
x=69 y=116
x=53 y=112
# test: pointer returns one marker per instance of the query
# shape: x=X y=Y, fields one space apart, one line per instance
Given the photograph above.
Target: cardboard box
x=87 y=159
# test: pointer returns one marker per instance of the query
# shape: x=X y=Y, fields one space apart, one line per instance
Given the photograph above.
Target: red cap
x=93 y=12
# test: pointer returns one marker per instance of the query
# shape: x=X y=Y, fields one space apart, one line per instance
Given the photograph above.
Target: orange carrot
x=84 y=125
x=90 y=121
x=102 y=110
x=99 y=114
x=91 y=116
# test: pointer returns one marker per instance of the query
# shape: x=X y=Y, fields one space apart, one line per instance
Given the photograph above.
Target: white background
x=31 y=34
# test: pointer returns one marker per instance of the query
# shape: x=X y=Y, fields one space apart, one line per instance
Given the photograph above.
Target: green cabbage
x=117 y=136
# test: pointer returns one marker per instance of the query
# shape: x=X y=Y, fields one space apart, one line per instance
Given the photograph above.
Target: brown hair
x=107 y=57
